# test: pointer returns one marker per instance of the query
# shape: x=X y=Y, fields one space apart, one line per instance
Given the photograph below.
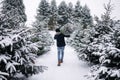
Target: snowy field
x=71 y=69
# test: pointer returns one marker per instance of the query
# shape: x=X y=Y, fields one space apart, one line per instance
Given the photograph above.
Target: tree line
x=63 y=14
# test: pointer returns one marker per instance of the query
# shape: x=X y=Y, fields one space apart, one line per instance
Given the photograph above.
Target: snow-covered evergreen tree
x=43 y=13
x=17 y=54
x=78 y=10
x=104 y=47
x=77 y=14
x=101 y=38
x=42 y=38
x=63 y=14
x=70 y=10
x=86 y=17
x=104 y=25
x=43 y=8
x=83 y=33
x=41 y=35
x=53 y=15
x=13 y=13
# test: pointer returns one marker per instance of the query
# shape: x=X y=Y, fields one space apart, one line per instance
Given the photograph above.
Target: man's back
x=60 y=39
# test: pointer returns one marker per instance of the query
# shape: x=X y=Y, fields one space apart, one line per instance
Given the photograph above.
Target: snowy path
x=71 y=69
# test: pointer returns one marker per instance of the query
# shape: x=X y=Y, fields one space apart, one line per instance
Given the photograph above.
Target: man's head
x=57 y=30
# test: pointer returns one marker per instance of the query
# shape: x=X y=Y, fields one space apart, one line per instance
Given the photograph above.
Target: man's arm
x=55 y=37
x=66 y=35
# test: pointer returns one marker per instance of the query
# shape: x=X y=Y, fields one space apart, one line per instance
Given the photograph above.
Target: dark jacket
x=60 y=39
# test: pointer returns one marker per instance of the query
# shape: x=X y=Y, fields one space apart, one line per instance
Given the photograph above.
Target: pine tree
x=70 y=10
x=104 y=25
x=13 y=13
x=101 y=36
x=42 y=38
x=43 y=8
x=78 y=10
x=42 y=17
x=86 y=17
x=16 y=53
x=63 y=14
x=77 y=15
x=104 y=48
x=40 y=28
x=83 y=20
x=53 y=14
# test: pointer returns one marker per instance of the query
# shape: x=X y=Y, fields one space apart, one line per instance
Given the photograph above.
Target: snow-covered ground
x=71 y=69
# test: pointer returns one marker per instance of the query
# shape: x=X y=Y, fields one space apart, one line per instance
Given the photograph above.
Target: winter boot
x=59 y=63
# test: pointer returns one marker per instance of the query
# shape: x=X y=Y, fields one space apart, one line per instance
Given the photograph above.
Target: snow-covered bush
x=104 y=49
x=42 y=39
x=104 y=38
x=103 y=73
x=99 y=44
x=16 y=56
x=97 y=48
x=17 y=52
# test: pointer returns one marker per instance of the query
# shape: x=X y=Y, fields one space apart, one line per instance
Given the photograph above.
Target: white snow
x=71 y=69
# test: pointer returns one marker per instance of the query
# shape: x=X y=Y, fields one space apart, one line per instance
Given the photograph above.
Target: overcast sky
x=96 y=7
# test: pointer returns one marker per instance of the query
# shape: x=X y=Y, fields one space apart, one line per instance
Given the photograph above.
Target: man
x=60 y=45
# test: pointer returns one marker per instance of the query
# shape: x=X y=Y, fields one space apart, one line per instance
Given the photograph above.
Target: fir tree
x=13 y=13
x=104 y=25
x=70 y=11
x=78 y=10
x=77 y=15
x=104 y=48
x=42 y=14
x=86 y=17
x=43 y=8
x=63 y=14
x=41 y=35
x=42 y=38
x=16 y=53
x=83 y=20
x=53 y=14
x=101 y=34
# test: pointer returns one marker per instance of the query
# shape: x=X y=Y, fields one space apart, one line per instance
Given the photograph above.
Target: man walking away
x=60 y=45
